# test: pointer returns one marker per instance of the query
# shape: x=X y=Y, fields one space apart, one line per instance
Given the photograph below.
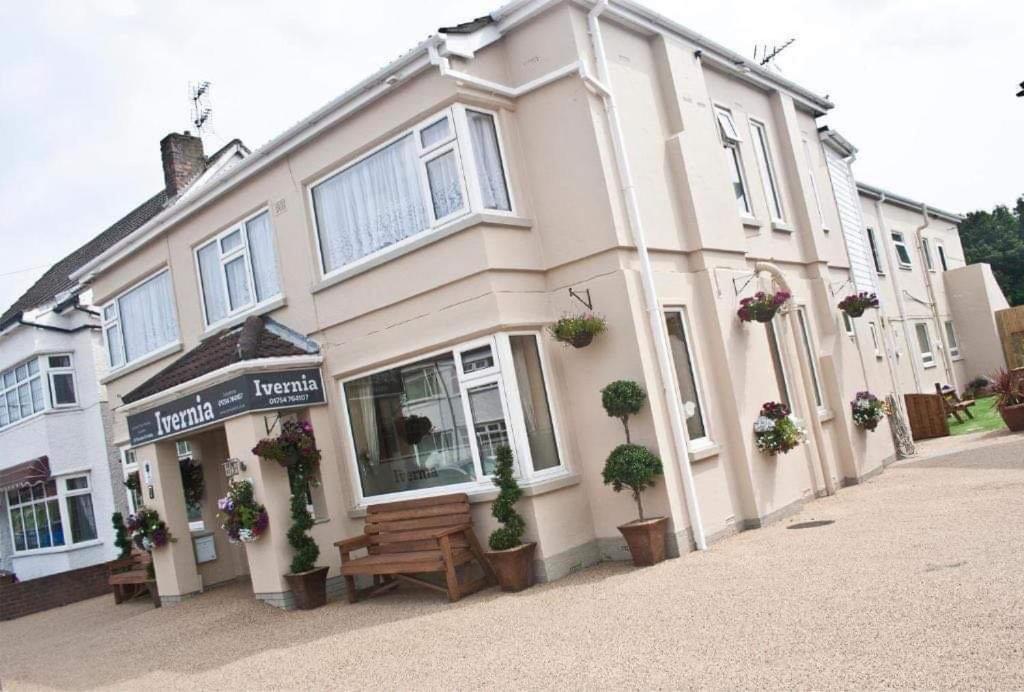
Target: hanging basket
x=855 y=304
x=762 y=307
x=577 y=330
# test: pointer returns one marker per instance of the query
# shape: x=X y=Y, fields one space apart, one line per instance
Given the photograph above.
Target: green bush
x=503 y=508
x=571 y=327
x=621 y=399
x=121 y=540
x=634 y=467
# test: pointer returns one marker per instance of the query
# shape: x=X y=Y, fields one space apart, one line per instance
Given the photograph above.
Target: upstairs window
x=238 y=269
x=875 y=256
x=140 y=321
x=23 y=388
x=926 y=252
x=902 y=252
x=764 y=164
x=734 y=163
x=441 y=169
x=942 y=257
x=62 y=381
x=875 y=341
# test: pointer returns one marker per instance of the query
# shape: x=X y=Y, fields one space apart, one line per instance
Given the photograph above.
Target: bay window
x=24 y=394
x=51 y=514
x=439 y=421
x=140 y=321
x=238 y=269
x=443 y=168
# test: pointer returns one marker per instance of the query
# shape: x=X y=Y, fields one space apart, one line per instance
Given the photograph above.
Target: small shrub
x=510 y=534
x=622 y=399
x=1008 y=388
x=577 y=330
x=634 y=467
x=121 y=540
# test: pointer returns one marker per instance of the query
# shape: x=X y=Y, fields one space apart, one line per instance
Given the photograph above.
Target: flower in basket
x=244 y=519
x=147 y=529
x=854 y=305
x=577 y=330
x=761 y=307
x=776 y=430
x=867 y=410
x=295 y=445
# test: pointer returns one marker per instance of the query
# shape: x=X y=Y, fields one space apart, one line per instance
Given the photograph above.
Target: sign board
x=264 y=391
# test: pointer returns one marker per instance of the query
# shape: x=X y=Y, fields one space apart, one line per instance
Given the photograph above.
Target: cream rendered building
x=408 y=243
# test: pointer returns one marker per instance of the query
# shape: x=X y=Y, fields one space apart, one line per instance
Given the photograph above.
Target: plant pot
x=1013 y=416
x=582 y=339
x=646 y=540
x=764 y=316
x=513 y=567
x=855 y=312
x=309 y=588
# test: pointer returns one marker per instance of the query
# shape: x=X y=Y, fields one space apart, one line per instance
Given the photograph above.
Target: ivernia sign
x=252 y=392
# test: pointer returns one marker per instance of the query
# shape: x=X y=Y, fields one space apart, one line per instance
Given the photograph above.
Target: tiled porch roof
x=257 y=337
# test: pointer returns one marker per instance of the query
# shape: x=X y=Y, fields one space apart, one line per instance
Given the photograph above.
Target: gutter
x=947 y=361
x=49 y=327
x=878 y=193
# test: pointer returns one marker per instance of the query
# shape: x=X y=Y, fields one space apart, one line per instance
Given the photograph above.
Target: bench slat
x=438 y=522
x=418 y=513
x=454 y=498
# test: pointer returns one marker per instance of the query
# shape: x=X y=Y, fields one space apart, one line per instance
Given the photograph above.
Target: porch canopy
x=26 y=473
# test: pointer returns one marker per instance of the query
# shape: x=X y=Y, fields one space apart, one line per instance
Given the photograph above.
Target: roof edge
x=899 y=200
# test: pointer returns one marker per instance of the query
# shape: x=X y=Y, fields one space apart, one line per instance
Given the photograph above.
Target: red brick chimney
x=183 y=160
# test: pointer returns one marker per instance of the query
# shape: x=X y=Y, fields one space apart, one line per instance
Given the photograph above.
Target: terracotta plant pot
x=646 y=540
x=1013 y=416
x=513 y=567
x=309 y=588
x=582 y=339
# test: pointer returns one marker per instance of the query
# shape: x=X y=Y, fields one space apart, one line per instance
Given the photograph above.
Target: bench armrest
x=349 y=545
x=122 y=563
x=451 y=531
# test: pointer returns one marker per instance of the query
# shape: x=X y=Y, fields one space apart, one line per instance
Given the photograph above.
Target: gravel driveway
x=918 y=583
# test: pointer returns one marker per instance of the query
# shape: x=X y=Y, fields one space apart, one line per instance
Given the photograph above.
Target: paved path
x=918 y=583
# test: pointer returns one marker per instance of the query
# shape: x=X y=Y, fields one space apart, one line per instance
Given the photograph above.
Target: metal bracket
x=833 y=289
x=740 y=289
x=579 y=297
x=271 y=426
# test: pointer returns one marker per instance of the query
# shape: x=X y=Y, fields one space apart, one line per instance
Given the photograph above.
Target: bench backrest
x=401 y=527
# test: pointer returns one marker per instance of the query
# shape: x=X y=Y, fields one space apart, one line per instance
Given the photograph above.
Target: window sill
x=422 y=240
x=235 y=320
x=782 y=227
x=750 y=222
x=956 y=359
x=928 y=366
x=486 y=493
x=59 y=549
x=907 y=267
x=705 y=451
x=159 y=354
x=825 y=414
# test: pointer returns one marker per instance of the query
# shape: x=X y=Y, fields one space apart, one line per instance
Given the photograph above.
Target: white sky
x=924 y=88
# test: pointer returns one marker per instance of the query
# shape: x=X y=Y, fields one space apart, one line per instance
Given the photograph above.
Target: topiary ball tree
x=121 y=540
x=510 y=534
x=621 y=399
x=634 y=467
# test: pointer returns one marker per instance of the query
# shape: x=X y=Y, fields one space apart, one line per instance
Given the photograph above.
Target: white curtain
x=264 y=259
x=487 y=156
x=239 y=291
x=213 y=289
x=445 y=187
x=147 y=317
x=371 y=205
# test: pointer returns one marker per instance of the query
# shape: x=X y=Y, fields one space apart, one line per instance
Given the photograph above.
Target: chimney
x=183 y=160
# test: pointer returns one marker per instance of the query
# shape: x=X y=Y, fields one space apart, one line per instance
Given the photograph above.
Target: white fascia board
x=238 y=153
x=873 y=192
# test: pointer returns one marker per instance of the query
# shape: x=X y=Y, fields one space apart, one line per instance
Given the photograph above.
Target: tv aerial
x=768 y=54
x=202 y=110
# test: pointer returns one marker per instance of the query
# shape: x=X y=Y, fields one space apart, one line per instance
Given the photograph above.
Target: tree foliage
x=997 y=238
x=634 y=467
x=510 y=534
x=121 y=540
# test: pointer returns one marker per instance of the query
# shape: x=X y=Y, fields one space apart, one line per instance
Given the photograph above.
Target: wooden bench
x=954 y=406
x=404 y=539
x=129 y=577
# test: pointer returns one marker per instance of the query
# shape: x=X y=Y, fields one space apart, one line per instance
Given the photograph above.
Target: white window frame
x=775 y=351
x=696 y=443
x=810 y=349
x=848 y=325
x=729 y=135
x=765 y=165
x=61 y=497
x=926 y=252
x=115 y=321
x=814 y=185
x=875 y=341
x=503 y=374
x=130 y=465
x=952 y=341
x=901 y=242
x=927 y=356
x=460 y=141
x=225 y=258
x=943 y=260
x=25 y=381
x=876 y=255
x=61 y=370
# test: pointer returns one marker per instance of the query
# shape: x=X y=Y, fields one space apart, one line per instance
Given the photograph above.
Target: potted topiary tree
x=295 y=449
x=511 y=559
x=121 y=540
x=634 y=467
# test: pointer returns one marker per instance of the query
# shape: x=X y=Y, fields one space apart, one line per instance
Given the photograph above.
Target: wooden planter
x=646 y=540
x=1013 y=416
x=309 y=588
x=513 y=567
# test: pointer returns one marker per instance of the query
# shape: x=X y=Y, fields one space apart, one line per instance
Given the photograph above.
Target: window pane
x=28 y=516
x=263 y=257
x=445 y=187
x=395 y=451
x=924 y=343
x=18 y=528
x=477 y=359
x=231 y=242
x=942 y=258
x=777 y=365
x=56 y=527
x=21 y=372
x=764 y=162
x=874 y=251
x=812 y=362
x=83 y=524
x=13 y=408
x=43 y=525
x=38 y=402
x=685 y=376
x=213 y=288
x=25 y=397
x=79 y=483
x=487 y=156
x=435 y=133
x=239 y=292
x=726 y=126
x=951 y=337
x=147 y=317
x=4 y=420
x=60 y=361
x=115 y=347
x=371 y=205
x=926 y=251
x=9 y=379
x=109 y=312
x=540 y=431
x=488 y=423
x=33 y=367
x=732 y=161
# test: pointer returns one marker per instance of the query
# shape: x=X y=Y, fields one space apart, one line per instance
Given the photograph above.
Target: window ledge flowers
x=855 y=304
x=777 y=431
x=867 y=409
x=762 y=307
x=244 y=519
x=148 y=530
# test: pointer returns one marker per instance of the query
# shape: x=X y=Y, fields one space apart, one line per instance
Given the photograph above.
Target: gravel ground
x=918 y=583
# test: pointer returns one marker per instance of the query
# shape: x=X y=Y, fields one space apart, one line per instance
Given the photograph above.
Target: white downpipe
x=654 y=313
x=940 y=329
x=894 y=270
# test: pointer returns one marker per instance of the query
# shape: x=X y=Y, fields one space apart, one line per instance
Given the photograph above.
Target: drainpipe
x=894 y=270
x=947 y=361
x=680 y=438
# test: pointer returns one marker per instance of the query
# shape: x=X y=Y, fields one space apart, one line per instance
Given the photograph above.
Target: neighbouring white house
x=60 y=478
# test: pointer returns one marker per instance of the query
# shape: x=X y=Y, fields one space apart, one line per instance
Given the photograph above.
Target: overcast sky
x=924 y=88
